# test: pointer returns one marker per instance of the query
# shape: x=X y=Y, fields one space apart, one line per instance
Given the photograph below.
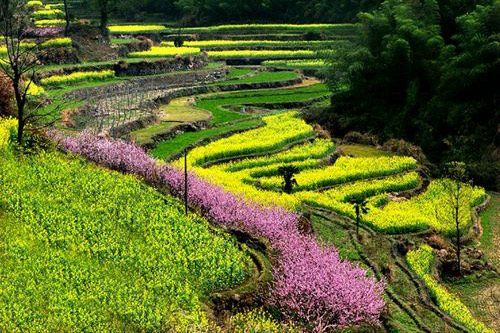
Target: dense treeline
x=204 y=12
x=426 y=71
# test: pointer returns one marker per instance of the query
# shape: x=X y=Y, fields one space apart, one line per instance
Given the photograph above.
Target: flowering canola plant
x=267 y=54
x=77 y=77
x=56 y=42
x=395 y=173
x=48 y=14
x=338 y=198
x=54 y=6
x=419 y=212
x=346 y=169
x=420 y=261
x=103 y=239
x=7 y=125
x=260 y=27
x=34 y=3
x=136 y=28
x=35 y=91
x=158 y=51
x=317 y=149
x=50 y=23
x=286 y=128
x=250 y=43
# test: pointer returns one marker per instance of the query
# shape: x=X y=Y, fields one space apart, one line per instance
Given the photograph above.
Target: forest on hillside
x=427 y=72
x=204 y=12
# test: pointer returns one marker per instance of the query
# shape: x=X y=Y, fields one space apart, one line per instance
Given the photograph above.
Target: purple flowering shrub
x=46 y=32
x=311 y=284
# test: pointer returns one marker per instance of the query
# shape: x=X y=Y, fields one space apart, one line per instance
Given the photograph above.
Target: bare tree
x=455 y=207
x=20 y=63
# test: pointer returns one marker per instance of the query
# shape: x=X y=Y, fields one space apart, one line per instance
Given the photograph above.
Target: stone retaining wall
x=143 y=68
x=157 y=82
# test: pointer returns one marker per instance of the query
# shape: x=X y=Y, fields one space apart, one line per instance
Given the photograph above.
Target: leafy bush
x=420 y=261
x=364 y=139
x=58 y=55
x=312 y=35
x=404 y=148
x=6 y=96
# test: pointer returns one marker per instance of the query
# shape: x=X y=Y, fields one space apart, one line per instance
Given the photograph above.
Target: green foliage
x=265 y=77
x=199 y=12
x=408 y=78
x=90 y=249
x=217 y=103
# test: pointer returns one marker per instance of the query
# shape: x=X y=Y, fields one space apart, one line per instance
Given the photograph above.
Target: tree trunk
x=458 y=242
x=457 y=221
x=357 y=220
x=104 y=19
x=66 y=10
x=20 y=108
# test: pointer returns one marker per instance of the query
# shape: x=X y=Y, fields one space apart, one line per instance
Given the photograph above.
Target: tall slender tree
x=456 y=204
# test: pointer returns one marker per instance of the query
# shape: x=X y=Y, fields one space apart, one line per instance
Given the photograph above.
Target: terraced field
x=232 y=117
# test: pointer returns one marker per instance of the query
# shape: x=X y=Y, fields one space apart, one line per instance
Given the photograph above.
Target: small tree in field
x=288 y=172
x=455 y=207
x=20 y=63
x=360 y=207
x=105 y=8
